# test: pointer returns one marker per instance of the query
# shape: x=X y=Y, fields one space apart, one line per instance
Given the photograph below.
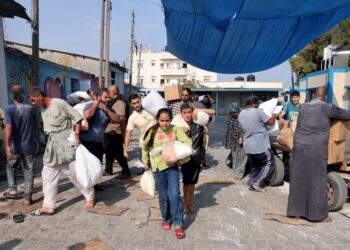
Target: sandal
x=180 y=233
x=257 y=189
x=37 y=212
x=166 y=226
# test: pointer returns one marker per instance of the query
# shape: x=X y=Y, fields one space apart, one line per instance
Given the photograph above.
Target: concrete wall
x=3 y=88
x=317 y=81
x=78 y=62
x=53 y=78
x=340 y=93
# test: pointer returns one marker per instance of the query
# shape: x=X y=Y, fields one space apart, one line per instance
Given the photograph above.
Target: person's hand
x=103 y=107
x=240 y=141
x=77 y=140
x=206 y=147
x=146 y=167
x=8 y=152
x=126 y=153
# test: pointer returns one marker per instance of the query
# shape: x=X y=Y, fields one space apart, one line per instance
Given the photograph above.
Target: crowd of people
x=104 y=127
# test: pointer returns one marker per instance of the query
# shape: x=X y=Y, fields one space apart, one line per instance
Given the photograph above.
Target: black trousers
x=95 y=148
x=114 y=150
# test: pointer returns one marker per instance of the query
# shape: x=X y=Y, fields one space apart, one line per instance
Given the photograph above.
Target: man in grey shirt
x=256 y=143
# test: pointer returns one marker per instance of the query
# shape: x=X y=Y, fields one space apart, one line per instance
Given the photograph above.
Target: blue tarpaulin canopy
x=243 y=36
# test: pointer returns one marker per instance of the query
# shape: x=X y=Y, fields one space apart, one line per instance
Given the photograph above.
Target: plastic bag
x=88 y=168
x=153 y=102
x=202 y=118
x=179 y=122
x=147 y=183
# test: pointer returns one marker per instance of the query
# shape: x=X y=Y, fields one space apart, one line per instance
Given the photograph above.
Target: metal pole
x=131 y=46
x=35 y=42
x=102 y=32
x=108 y=22
x=139 y=67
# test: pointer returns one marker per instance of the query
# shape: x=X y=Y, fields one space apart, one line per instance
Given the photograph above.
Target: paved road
x=229 y=217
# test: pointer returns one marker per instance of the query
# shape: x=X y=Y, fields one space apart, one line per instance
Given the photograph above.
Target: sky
x=74 y=26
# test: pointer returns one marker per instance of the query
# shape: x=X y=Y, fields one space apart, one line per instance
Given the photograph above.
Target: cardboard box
x=336 y=151
x=172 y=92
x=339 y=131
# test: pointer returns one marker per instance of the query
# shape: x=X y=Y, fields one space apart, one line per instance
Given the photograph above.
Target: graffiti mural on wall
x=53 y=86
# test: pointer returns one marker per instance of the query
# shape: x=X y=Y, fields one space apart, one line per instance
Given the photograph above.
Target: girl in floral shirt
x=166 y=173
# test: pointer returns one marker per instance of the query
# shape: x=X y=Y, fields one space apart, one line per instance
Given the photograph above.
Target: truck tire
x=337 y=191
x=278 y=174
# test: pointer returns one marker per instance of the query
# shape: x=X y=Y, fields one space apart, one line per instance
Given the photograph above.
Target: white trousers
x=51 y=176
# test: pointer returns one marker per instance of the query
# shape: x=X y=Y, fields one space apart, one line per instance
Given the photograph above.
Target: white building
x=154 y=69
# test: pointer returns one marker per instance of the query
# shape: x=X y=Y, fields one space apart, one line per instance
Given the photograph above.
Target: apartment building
x=154 y=69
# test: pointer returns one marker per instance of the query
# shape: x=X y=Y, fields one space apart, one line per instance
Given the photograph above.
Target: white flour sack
x=153 y=102
x=269 y=108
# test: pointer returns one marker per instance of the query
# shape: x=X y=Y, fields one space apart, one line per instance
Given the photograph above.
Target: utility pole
x=102 y=34
x=108 y=24
x=139 y=67
x=35 y=42
x=132 y=41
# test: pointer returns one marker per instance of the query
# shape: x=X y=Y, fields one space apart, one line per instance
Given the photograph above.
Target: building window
x=141 y=80
x=112 y=77
x=207 y=78
x=153 y=79
x=184 y=65
x=168 y=65
x=162 y=81
x=74 y=85
x=167 y=80
x=153 y=63
x=162 y=65
x=179 y=65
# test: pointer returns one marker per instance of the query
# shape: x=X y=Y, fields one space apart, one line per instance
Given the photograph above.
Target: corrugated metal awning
x=10 y=8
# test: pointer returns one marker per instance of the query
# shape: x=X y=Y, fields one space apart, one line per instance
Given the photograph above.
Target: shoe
x=11 y=194
x=107 y=173
x=180 y=233
x=257 y=189
x=123 y=176
x=27 y=202
x=166 y=226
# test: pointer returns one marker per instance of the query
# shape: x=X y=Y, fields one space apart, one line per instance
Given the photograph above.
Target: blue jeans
x=27 y=163
x=170 y=202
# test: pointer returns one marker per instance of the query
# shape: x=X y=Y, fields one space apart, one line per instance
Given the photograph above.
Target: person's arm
x=77 y=128
x=281 y=116
x=271 y=121
x=111 y=114
x=146 y=150
x=206 y=141
x=127 y=142
x=338 y=113
x=208 y=111
x=8 y=134
x=211 y=99
x=90 y=110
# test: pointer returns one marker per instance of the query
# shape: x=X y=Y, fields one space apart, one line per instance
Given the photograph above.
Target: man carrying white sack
x=256 y=143
x=59 y=118
x=139 y=119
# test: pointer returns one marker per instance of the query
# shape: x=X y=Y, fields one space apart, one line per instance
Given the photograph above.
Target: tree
x=309 y=59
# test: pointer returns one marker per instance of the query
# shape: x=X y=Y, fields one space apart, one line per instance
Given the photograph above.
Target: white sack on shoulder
x=269 y=106
x=147 y=183
x=88 y=168
x=76 y=97
x=179 y=122
x=202 y=118
x=153 y=102
x=274 y=130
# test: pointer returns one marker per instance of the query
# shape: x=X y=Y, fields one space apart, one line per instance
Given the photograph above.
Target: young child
x=167 y=174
